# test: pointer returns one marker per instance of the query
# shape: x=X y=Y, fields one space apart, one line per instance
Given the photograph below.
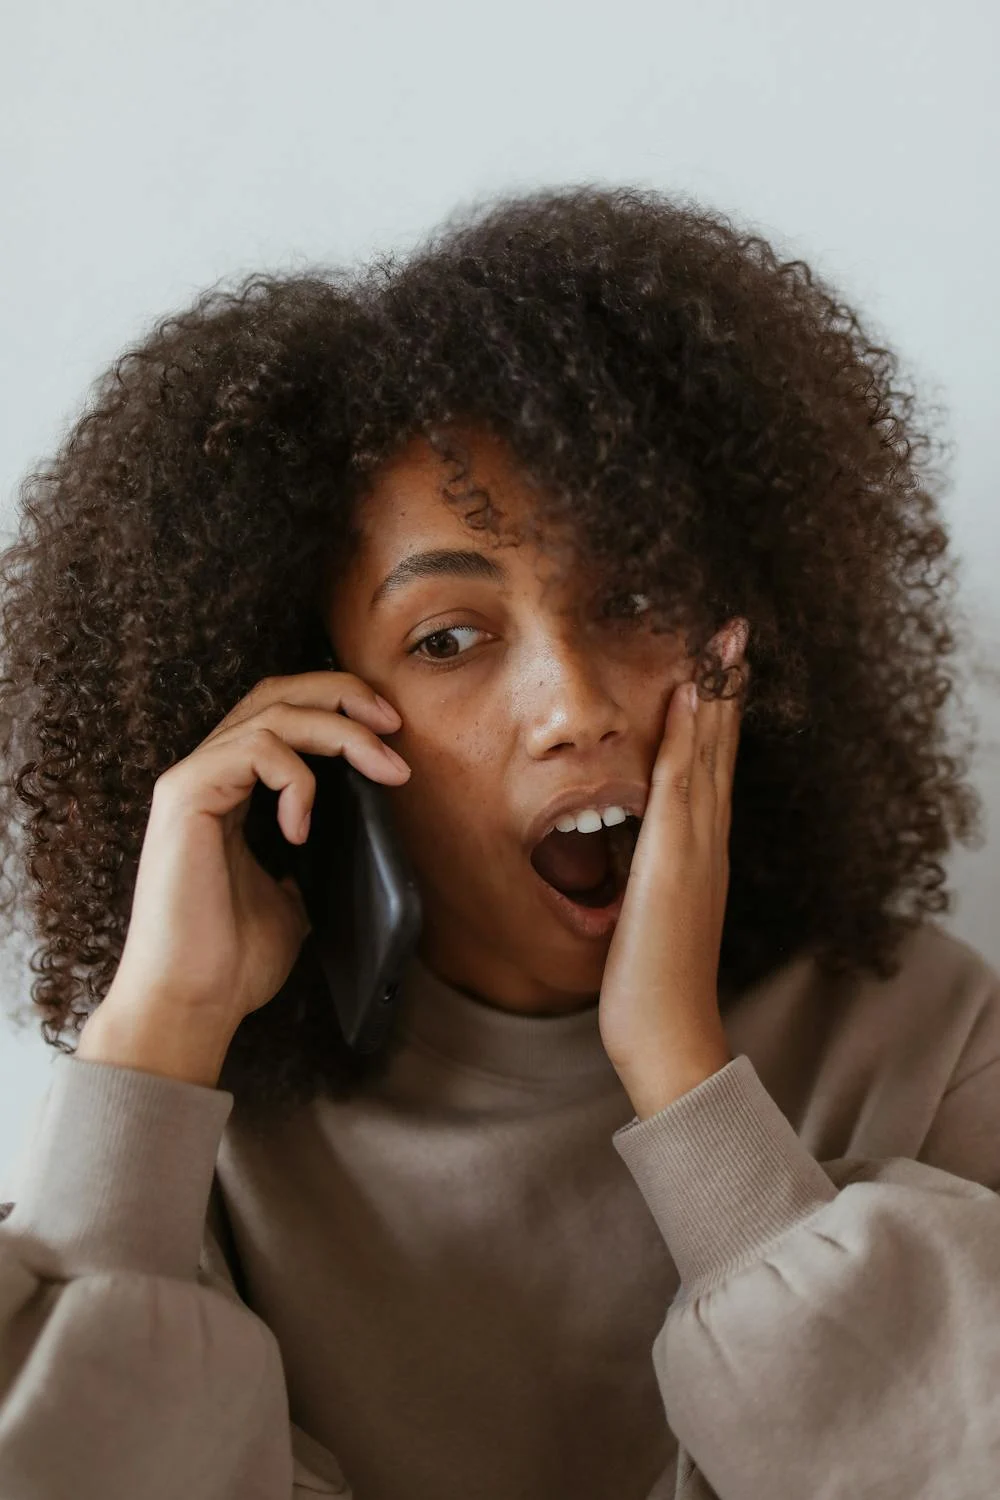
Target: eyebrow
x=438 y=563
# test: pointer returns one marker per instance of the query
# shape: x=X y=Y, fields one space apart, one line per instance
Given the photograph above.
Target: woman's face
x=512 y=698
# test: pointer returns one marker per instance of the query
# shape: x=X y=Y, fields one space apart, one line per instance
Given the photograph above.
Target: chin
x=567 y=965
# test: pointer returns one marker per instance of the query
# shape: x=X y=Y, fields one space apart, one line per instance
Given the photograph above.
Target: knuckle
x=257 y=699
x=166 y=781
x=262 y=734
x=270 y=714
x=260 y=690
x=171 y=784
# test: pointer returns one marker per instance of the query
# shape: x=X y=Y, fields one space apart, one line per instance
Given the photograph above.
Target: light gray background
x=151 y=149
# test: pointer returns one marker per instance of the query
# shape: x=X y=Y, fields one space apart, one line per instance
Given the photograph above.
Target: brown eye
x=626 y=607
x=426 y=648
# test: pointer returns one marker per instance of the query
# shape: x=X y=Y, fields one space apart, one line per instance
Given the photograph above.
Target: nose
x=567 y=700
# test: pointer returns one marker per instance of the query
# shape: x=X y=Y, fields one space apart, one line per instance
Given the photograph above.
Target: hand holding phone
x=213 y=934
x=361 y=896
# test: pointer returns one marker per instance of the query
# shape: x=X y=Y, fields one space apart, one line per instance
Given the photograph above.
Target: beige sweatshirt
x=484 y=1279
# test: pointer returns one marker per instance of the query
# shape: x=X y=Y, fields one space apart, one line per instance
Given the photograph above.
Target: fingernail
x=735 y=645
x=397 y=760
x=386 y=708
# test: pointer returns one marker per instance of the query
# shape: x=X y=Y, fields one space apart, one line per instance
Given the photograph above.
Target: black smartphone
x=359 y=890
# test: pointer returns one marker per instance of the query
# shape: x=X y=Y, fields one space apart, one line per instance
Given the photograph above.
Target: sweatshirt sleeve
x=128 y=1365
x=837 y=1326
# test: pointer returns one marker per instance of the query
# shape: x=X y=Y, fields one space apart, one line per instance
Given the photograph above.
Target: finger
x=219 y=776
x=716 y=732
x=318 y=731
x=707 y=730
x=731 y=720
x=730 y=726
x=671 y=778
x=705 y=792
x=218 y=779
x=329 y=690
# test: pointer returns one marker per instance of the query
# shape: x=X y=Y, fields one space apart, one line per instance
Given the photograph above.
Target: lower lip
x=583 y=921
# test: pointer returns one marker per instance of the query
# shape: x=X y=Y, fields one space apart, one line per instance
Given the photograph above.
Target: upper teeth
x=589 y=820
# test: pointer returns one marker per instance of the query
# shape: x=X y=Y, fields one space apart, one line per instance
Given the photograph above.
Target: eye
x=625 y=607
x=440 y=635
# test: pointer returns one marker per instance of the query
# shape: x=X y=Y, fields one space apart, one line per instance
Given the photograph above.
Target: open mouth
x=590 y=869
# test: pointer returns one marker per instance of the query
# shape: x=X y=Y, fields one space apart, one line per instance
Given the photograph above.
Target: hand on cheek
x=659 y=1010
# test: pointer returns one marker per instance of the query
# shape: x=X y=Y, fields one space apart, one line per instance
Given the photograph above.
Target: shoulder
x=947 y=988
x=836 y=1050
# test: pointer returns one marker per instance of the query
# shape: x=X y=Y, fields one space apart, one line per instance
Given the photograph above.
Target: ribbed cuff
x=119 y=1173
x=723 y=1173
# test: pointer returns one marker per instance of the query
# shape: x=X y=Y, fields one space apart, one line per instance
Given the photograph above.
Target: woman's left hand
x=659 y=1008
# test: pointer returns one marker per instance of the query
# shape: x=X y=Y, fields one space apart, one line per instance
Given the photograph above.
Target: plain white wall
x=151 y=149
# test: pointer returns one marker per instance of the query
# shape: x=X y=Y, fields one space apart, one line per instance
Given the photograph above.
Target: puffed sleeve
x=128 y=1365
x=837 y=1327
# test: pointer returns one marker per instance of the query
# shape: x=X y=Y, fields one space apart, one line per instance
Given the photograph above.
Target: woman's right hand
x=211 y=935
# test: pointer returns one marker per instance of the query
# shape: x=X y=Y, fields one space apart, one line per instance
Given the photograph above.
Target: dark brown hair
x=715 y=425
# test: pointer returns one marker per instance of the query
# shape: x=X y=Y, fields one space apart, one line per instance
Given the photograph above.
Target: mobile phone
x=359 y=891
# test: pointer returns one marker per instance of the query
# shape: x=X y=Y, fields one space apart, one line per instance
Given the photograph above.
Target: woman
x=719 y=1091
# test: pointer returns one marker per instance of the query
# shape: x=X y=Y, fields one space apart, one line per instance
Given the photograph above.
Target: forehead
x=410 y=492
x=419 y=500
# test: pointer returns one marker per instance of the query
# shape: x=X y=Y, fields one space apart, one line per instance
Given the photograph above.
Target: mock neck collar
x=512 y=1044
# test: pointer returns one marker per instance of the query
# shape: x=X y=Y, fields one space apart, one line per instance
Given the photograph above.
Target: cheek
x=455 y=764
x=450 y=821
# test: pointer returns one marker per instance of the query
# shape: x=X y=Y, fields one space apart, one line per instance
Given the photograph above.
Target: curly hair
x=716 y=426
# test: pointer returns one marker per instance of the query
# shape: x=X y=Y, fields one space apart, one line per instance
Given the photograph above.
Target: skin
x=528 y=698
